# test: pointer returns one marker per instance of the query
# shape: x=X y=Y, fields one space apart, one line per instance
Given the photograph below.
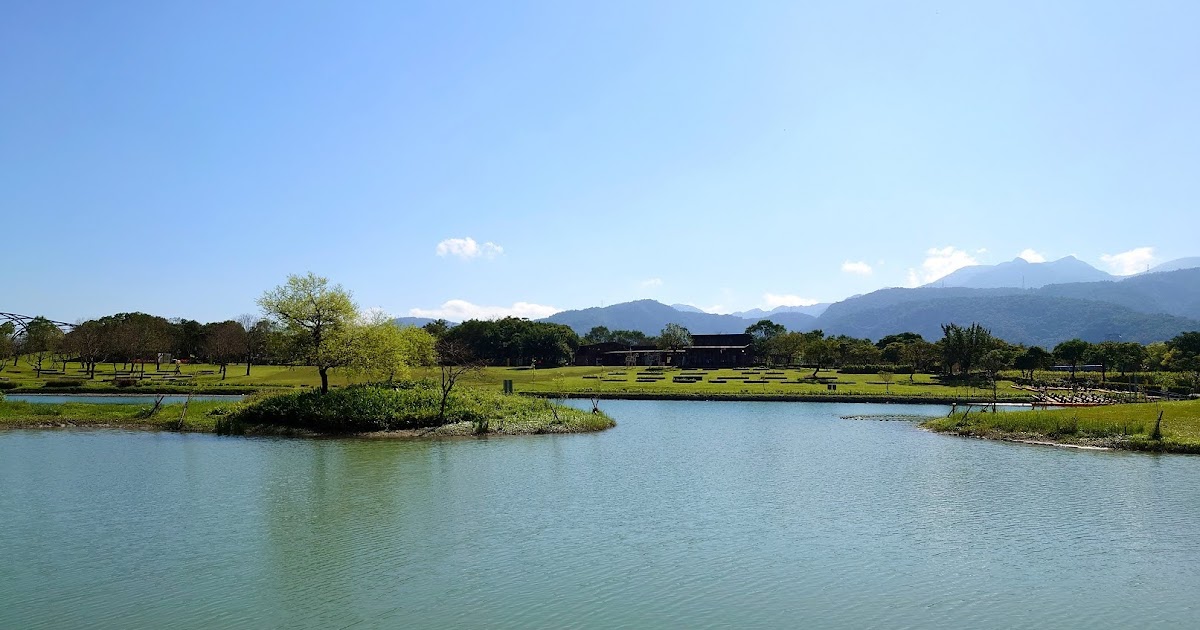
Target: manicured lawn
x=199 y=416
x=571 y=380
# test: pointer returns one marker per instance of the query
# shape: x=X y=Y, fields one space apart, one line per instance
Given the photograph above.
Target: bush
x=125 y=382
x=64 y=382
x=876 y=369
x=7 y=385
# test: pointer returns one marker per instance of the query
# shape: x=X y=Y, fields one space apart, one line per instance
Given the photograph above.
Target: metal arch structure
x=22 y=322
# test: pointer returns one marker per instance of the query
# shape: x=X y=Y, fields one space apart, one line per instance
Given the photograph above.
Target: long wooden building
x=706 y=351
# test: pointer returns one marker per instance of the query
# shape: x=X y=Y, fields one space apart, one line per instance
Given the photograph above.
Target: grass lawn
x=1116 y=426
x=566 y=380
x=765 y=382
x=199 y=416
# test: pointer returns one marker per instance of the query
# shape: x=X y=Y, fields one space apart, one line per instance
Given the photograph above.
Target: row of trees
x=964 y=350
x=305 y=321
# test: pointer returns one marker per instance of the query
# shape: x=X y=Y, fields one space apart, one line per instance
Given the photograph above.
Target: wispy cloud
x=651 y=283
x=467 y=248
x=1133 y=261
x=938 y=263
x=462 y=310
x=857 y=267
x=775 y=300
x=1032 y=256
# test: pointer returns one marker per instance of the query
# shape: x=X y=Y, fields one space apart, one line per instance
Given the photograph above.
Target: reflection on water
x=687 y=514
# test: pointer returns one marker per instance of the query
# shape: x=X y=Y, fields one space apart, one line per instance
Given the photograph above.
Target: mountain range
x=1021 y=302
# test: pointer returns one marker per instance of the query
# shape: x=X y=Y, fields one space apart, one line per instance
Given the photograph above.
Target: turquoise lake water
x=688 y=514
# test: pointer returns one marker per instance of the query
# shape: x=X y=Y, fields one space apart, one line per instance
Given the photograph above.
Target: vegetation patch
x=407 y=407
x=1172 y=427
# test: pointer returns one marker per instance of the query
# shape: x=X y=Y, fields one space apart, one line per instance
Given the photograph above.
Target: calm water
x=132 y=399
x=688 y=514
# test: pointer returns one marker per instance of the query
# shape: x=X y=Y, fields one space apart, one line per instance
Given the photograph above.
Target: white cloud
x=774 y=300
x=462 y=310
x=981 y=250
x=467 y=248
x=939 y=263
x=651 y=283
x=1032 y=256
x=913 y=281
x=1133 y=261
x=857 y=267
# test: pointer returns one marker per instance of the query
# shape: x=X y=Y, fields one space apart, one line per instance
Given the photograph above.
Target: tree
x=1130 y=357
x=455 y=361
x=437 y=328
x=887 y=378
x=1033 y=359
x=992 y=362
x=903 y=338
x=598 y=334
x=39 y=342
x=8 y=345
x=674 y=338
x=818 y=351
x=86 y=341
x=763 y=331
x=1072 y=352
x=316 y=317
x=382 y=350
x=223 y=343
x=964 y=346
x=919 y=354
x=785 y=348
x=1105 y=355
x=255 y=340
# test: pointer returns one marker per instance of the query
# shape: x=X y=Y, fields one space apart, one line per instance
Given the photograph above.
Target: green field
x=1114 y=426
x=200 y=415
x=576 y=381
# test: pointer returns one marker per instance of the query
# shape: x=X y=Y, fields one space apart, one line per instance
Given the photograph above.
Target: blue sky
x=468 y=159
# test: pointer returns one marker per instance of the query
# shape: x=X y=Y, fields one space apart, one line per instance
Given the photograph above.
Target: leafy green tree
x=1104 y=354
x=8 y=345
x=1032 y=359
x=631 y=338
x=920 y=354
x=763 y=331
x=383 y=351
x=437 y=328
x=819 y=352
x=598 y=334
x=317 y=318
x=963 y=347
x=785 y=348
x=40 y=340
x=1131 y=356
x=1072 y=352
x=903 y=339
x=674 y=338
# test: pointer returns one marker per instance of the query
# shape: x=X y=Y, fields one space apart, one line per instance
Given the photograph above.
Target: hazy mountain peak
x=1020 y=273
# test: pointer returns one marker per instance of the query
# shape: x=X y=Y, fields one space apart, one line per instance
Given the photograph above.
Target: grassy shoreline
x=478 y=415
x=1128 y=427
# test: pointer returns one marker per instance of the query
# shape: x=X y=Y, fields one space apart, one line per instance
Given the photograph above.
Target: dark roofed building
x=706 y=351
x=720 y=351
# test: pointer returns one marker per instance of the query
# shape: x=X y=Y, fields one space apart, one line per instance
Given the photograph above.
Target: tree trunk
x=324 y=372
x=247 y=366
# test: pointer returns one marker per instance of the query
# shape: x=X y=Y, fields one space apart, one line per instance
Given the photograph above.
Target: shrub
x=64 y=382
x=7 y=385
x=125 y=382
x=876 y=369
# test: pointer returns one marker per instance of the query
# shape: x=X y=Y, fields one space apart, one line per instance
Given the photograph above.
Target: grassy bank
x=1129 y=427
x=200 y=416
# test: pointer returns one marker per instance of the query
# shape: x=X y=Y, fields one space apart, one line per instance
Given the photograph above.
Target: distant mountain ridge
x=649 y=316
x=1021 y=273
